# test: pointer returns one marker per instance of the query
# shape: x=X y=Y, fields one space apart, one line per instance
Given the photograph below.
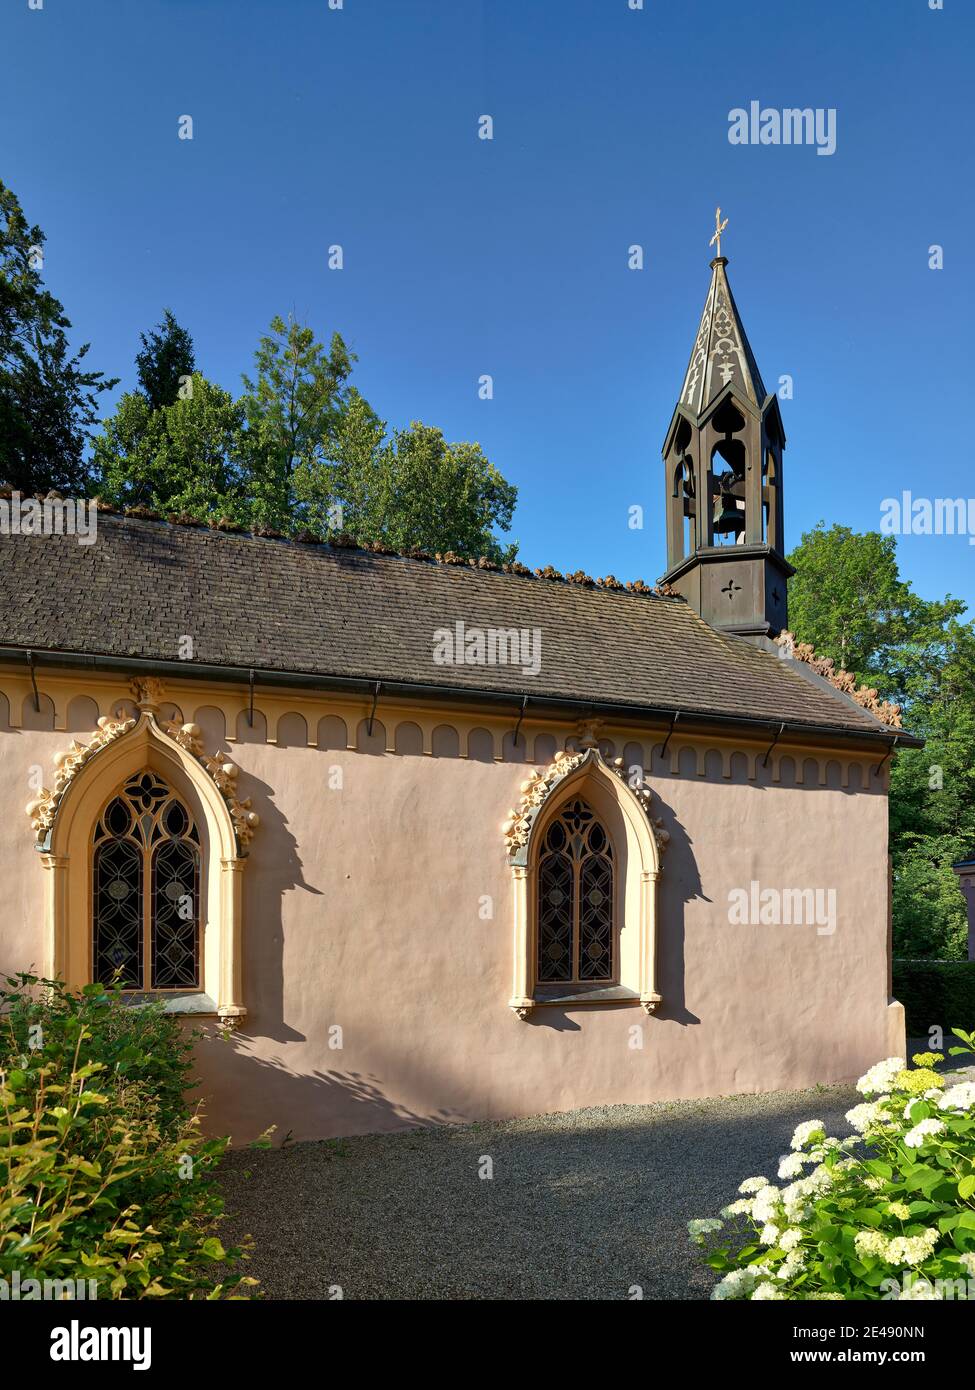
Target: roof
x=722 y=355
x=286 y=607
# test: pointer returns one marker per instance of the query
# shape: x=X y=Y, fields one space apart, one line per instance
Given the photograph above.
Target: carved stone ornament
x=540 y=785
x=231 y=1018
x=224 y=775
x=148 y=692
x=842 y=680
x=67 y=765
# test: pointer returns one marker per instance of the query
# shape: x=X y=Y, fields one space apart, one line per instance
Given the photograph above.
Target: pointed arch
x=87 y=781
x=635 y=841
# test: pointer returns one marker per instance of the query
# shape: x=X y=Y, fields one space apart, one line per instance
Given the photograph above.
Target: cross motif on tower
x=731 y=588
x=719 y=227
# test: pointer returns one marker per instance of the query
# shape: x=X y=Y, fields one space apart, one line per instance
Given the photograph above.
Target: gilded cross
x=719 y=227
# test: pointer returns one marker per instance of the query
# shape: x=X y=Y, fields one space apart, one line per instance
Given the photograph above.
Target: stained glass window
x=146 y=889
x=575 y=899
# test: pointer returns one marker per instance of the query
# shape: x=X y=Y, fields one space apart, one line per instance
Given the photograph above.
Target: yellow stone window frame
x=64 y=820
x=638 y=839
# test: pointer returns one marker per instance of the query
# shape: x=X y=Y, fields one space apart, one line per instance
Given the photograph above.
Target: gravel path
x=581 y=1205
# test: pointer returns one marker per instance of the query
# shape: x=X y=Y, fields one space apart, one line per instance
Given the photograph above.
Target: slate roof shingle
x=286 y=607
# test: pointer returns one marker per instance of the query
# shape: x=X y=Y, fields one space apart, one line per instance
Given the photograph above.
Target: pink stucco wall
x=362 y=910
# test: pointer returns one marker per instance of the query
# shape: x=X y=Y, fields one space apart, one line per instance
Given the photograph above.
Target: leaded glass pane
x=118 y=913
x=555 y=918
x=175 y=895
x=596 y=918
x=147 y=888
x=575 y=899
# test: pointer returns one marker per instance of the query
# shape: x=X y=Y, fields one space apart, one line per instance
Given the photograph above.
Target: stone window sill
x=585 y=994
x=192 y=1002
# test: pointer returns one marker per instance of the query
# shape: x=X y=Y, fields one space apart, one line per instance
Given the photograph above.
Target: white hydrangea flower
x=792 y=1165
x=753 y=1185
x=960 y=1097
x=879 y=1080
x=900 y=1210
x=740 y=1283
x=866 y=1116
x=766 y=1205
x=765 y=1292
x=968 y=1261
x=915 y=1137
x=790 y=1238
x=874 y=1184
x=795 y=1201
x=821 y=1179
x=805 y=1132
x=870 y=1243
x=703 y=1226
x=792 y=1264
x=770 y=1234
x=912 y=1250
x=743 y=1207
x=796 y=1197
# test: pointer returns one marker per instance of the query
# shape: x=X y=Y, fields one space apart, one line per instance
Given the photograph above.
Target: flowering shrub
x=888 y=1213
x=107 y=1186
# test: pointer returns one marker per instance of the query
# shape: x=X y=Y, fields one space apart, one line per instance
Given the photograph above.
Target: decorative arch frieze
x=542 y=795
x=63 y=817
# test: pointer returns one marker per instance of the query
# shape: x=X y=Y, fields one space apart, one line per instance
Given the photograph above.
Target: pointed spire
x=722 y=354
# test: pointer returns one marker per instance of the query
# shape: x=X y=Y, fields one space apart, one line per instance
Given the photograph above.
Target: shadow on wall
x=352 y=1102
x=271 y=872
x=680 y=883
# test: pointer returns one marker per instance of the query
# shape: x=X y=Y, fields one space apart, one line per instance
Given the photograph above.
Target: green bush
x=886 y=1214
x=104 y=1174
x=933 y=991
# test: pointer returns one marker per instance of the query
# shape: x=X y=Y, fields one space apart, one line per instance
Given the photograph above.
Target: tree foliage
x=849 y=600
x=183 y=458
x=414 y=490
x=165 y=361
x=301 y=450
x=48 y=399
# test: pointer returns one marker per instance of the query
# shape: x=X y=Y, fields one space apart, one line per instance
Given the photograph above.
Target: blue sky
x=358 y=126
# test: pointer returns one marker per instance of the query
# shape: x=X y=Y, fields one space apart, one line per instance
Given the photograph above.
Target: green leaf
x=867 y=1216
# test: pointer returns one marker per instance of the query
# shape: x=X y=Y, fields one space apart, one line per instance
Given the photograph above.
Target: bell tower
x=723 y=477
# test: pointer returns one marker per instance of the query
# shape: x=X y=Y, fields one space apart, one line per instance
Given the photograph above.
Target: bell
x=727 y=515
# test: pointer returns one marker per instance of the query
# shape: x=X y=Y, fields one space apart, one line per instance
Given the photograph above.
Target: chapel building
x=418 y=840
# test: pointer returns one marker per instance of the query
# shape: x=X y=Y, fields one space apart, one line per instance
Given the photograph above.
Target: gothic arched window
x=146 y=889
x=575 y=899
